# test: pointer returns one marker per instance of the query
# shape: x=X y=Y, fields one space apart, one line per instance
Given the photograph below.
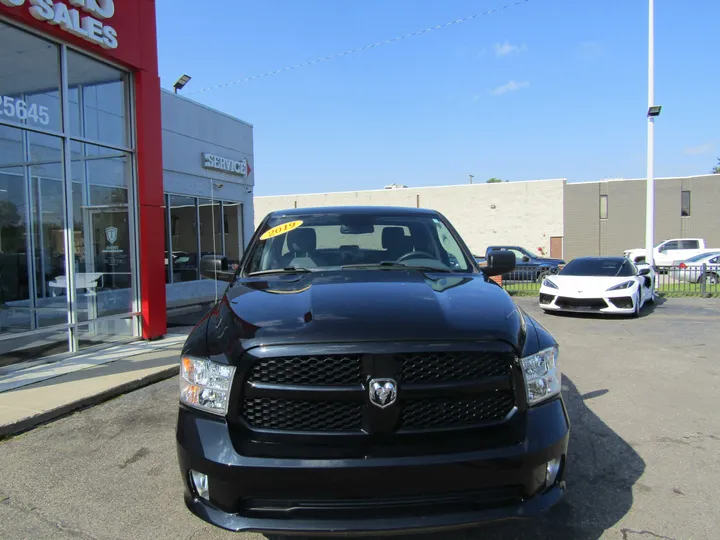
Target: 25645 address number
x=17 y=108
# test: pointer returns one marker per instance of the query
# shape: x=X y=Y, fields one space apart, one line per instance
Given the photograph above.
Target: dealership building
x=549 y=217
x=111 y=189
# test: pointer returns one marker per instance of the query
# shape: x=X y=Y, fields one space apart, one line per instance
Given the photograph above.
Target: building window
x=603 y=206
x=213 y=226
x=68 y=220
x=685 y=203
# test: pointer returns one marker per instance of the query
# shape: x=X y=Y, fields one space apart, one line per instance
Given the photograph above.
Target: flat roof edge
x=406 y=189
x=206 y=107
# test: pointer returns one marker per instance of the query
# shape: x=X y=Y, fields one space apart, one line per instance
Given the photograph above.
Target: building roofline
x=202 y=105
x=641 y=179
x=407 y=188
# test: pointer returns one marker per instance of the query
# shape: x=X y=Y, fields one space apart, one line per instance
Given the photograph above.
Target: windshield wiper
x=286 y=270
x=391 y=264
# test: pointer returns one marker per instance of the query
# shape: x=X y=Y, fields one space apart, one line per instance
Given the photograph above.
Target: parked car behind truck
x=528 y=266
x=668 y=251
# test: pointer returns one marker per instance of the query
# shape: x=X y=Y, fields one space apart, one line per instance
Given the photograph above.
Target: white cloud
x=699 y=150
x=511 y=86
x=504 y=49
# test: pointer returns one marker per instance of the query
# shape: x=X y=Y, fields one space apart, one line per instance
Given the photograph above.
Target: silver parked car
x=691 y=270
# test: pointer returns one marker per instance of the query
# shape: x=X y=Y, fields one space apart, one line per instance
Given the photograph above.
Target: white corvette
x=612 y=285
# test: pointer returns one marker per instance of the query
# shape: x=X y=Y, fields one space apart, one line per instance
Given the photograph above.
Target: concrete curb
x=21 y=426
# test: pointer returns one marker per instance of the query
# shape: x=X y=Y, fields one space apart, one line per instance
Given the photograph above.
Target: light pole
x=181 y=82
x=653 y=111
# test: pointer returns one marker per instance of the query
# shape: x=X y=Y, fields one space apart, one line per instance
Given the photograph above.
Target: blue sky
x=545 y=89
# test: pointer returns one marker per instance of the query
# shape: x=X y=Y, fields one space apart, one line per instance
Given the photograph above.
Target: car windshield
x=702 y=256
x=599 y=267
x=316 y=241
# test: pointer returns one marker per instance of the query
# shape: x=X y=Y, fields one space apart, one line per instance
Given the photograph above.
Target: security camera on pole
x=653 y=111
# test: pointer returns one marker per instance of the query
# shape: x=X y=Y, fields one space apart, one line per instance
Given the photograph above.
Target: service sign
x=86 y=19
x=232 y=166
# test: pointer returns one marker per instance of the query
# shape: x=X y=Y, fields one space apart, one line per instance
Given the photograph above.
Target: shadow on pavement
x=602 y=469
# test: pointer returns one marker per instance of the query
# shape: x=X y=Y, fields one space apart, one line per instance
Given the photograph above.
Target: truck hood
x=362 y=305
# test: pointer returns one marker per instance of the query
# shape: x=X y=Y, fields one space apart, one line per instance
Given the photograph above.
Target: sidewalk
x=40 y=393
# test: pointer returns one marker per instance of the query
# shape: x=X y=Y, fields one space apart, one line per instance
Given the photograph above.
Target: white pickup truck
x=668 y=251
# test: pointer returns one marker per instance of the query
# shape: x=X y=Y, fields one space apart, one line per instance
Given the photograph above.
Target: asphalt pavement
x=641 y=393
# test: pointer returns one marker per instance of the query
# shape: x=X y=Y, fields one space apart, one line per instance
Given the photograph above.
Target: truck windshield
x=312 y=242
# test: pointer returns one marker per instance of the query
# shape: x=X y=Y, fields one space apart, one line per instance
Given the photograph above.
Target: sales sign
x=82 y=18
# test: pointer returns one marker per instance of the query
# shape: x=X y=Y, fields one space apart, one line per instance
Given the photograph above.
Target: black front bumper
x=374 y=495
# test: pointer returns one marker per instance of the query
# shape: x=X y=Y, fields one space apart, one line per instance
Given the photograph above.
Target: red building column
x=151 y=212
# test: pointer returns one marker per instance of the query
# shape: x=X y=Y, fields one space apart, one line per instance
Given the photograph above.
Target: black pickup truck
x=528 y=266
x=362 y=375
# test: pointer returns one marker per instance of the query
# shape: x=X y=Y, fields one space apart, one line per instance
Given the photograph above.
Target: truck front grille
x=294 y=415
x=449 y=367
x=302 y=370
x=446 y=413
x=324 y=394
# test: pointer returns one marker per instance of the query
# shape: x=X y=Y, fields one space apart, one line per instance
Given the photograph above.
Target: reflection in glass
x=211 y=234
x=99 y=91
x=183 y=232
x=103 y=277
x=30 y=82
x=14 y=283
x=168 y=259
x=233 y=231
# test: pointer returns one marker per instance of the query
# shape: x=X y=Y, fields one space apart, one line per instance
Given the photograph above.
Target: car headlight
x=205 y=384
x=625 y=285
x=542 y=375
x=548 y=283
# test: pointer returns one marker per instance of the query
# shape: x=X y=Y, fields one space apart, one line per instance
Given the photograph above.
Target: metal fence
x=702 y=280
x=688 y=280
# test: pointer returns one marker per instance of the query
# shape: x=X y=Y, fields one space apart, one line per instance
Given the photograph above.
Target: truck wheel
x=711 y=279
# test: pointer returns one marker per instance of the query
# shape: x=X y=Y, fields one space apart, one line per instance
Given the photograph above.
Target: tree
x=716 y=170
x=493 y=180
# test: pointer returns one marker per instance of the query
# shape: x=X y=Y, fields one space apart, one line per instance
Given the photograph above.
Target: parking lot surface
x=645 y=440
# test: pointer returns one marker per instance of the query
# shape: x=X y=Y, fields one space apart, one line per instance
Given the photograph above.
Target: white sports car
x=612 y=285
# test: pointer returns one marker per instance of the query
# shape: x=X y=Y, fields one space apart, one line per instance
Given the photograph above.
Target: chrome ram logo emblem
x=383 y=392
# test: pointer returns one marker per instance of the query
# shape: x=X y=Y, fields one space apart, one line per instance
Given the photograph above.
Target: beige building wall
x=527 y=214
x=586 y=233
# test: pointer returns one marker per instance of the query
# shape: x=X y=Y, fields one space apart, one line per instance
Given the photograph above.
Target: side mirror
x=499 y=263
x=644 y=272
x=216 y=267
x=526 y=258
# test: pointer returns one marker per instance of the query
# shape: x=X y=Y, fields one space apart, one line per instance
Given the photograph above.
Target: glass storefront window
x=38 y=243
x=184 y=238
x=219 y=231
x=30 y=82
x=232 y=216
x=14 y=285
x=103 y=272
x=99 y=91
x=211 y=233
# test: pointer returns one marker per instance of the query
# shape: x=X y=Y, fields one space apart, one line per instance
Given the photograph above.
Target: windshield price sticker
x=281 y=229
x=17 y=108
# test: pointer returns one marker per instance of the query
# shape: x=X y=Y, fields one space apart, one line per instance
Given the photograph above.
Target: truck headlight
x=205 y=384
x=625 y=285
x=542 y=375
